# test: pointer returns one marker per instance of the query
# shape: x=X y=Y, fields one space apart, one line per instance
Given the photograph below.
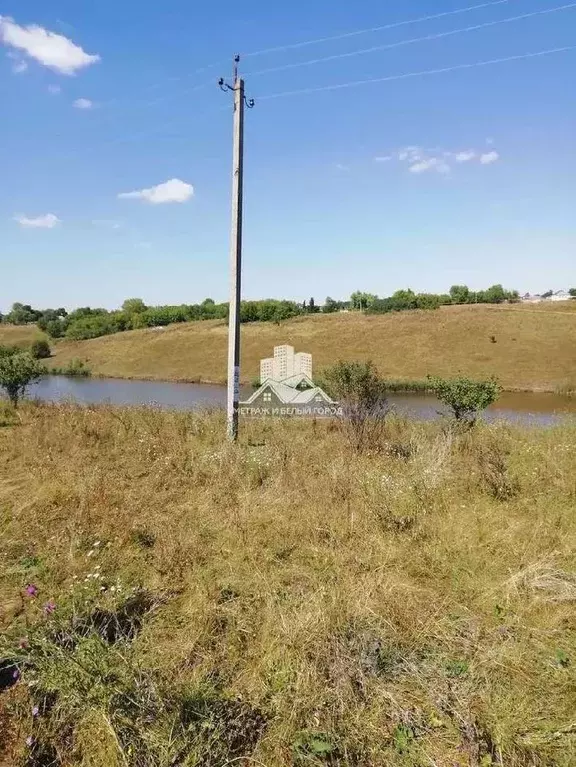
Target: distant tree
x=17 y=372
x=381 y=306
x=40 y=349
x=495 y=295
x=54 y=328
x=427 y=301
x=330 y=305
x=312 y=308
x=460 y=294
x=95 y=325
x=361 y=301
x=572 y=292
x=22 y=314
x=85 y=311
x=134 y=306
x=548 y=294
x=465 y=397
x=403 y=299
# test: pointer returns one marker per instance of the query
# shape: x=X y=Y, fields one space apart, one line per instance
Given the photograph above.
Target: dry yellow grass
x=19 y=335
x=317 y=606
x=535 y=348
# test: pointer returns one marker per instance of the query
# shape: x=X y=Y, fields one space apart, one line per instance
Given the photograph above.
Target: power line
x=408 y=75
x=381 y=28
x=315 y=41
x=401 y=43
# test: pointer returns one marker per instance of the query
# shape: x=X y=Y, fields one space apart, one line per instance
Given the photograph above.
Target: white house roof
x=288 y=393
x=298 y=379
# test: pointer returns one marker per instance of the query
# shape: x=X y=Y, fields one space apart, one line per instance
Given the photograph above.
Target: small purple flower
x=16 y=673
x=35 y=711
x=29 y=741
x=23 y=643
x=49 y=607
x=32 y=590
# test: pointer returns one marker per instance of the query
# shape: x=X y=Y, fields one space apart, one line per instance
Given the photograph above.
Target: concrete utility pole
x=233 y=394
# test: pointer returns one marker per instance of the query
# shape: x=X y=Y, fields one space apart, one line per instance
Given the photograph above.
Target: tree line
x=86 y=322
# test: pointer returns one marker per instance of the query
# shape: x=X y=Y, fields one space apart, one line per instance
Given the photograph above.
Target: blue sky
x=463 y=176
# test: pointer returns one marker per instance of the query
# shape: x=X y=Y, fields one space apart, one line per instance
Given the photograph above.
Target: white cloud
x=48 y=48
x=48 y=221
x=411 y=153
x=431 y=163
x=341 y=167
x=437 y=160
x=466 y=156
x=54 y=89
x=83 y=104
x=170 y=191
x=489 y=157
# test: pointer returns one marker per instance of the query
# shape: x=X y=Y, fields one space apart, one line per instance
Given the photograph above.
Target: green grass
x=287 y=600
x=533 y=348
x=407 y=386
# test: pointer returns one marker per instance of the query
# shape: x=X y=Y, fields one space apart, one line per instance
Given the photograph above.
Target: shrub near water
x=286 y=600
x=17 y=372
x=361 y=393
x=40 y=349
x=465 y=397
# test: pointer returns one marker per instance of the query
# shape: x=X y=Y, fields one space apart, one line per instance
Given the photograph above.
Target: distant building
x=529 y=299
x=560 y=295
x=285 y=364
x=287 y=388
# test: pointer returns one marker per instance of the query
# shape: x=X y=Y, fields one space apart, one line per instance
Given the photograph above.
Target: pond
x=521 y=407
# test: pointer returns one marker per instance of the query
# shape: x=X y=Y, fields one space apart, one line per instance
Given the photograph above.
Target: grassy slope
x=390 y=609
x=535 y=345
x=19 y=335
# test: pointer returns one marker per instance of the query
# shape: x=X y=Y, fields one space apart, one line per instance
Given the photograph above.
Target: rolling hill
x=527 y=347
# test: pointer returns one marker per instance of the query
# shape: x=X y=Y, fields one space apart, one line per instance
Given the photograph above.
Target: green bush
x=465 y=397
x=361 y=393
x=40 y=349
x=8 y=351
x=17 y=372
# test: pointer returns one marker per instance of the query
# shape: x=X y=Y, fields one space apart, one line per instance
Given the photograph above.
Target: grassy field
x=19 y=335
x=285 y=601
x=529 y=347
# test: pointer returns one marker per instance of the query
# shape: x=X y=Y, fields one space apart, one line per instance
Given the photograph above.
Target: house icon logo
x=287 y=388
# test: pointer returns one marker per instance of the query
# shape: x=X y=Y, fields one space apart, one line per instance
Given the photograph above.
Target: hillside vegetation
x=526 y=347
x=170 y=599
